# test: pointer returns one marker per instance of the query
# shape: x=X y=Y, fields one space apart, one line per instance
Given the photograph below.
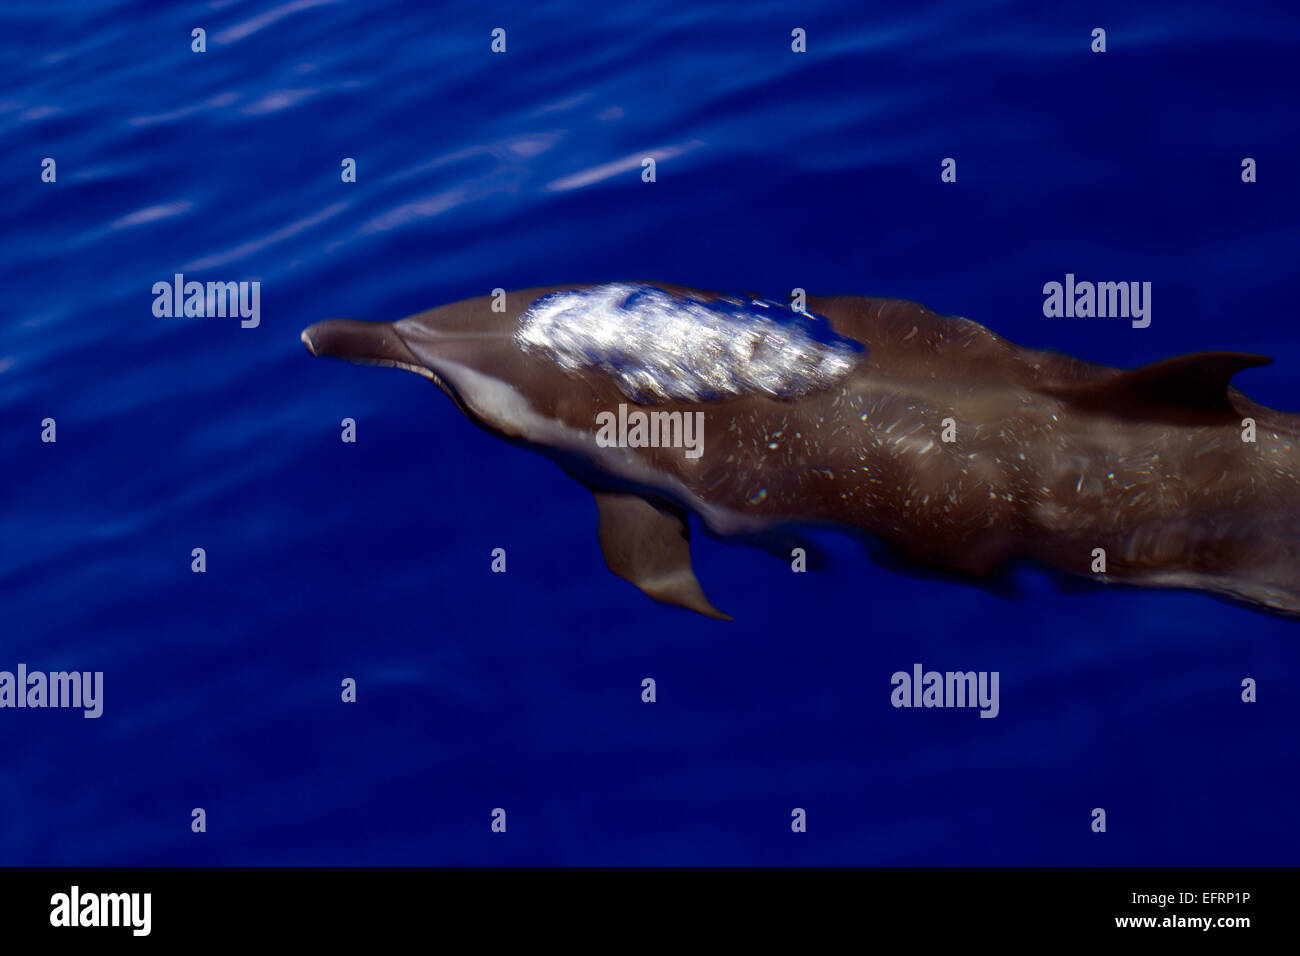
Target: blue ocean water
x=476 y=170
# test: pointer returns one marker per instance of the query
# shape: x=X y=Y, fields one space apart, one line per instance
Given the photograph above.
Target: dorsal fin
x=1185 y=389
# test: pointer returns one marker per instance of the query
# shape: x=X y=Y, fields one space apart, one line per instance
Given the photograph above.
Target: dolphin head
x=372 y=343
x=469 y=350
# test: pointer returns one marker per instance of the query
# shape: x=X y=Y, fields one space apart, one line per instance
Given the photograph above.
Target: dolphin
x=958 y=449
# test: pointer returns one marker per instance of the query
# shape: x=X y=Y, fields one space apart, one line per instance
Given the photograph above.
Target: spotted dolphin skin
x=958 y=449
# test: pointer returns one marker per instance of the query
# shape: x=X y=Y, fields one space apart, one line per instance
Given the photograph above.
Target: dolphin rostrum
x=958 y=449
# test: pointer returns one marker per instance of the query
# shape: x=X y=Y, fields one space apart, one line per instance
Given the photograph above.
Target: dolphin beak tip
x=306 y=340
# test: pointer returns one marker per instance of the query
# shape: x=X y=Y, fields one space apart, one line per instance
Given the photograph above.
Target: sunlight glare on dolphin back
x=662 y=347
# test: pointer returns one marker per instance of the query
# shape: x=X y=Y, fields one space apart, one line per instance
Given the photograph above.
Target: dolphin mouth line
x=417 y=369
x=360 y=359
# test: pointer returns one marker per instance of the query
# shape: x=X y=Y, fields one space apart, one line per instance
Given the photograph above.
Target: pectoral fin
x=649 y=544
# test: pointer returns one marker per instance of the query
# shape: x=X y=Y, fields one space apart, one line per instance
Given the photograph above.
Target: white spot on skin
x=657 y=346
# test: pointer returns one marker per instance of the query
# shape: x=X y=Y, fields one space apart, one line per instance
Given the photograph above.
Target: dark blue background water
x=522 y=691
